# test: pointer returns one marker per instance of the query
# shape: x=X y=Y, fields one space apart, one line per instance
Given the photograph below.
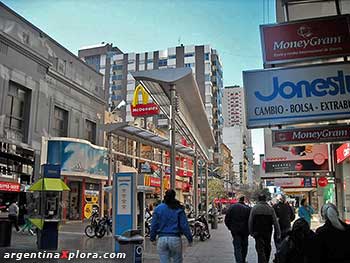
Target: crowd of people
x=295 y=243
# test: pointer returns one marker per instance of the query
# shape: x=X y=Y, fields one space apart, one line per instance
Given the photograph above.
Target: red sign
x=307 y=39
x=142 y=110
x=310 y=135
x=10 y=187
x=343 y=152
x=322 y=181
x=154 y=182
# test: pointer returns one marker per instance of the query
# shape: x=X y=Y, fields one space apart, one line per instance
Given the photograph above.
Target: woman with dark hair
x=169 y=222
x=333 y=237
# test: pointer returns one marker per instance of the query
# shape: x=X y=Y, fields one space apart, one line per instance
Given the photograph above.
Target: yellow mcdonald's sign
x=145 y=109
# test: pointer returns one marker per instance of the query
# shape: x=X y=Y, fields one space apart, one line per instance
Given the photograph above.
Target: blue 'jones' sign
x=297 y=95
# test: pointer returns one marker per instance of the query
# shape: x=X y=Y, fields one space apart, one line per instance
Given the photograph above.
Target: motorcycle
x=104 y=226
x=94 y=219
x=199 y=227
x=148 y=222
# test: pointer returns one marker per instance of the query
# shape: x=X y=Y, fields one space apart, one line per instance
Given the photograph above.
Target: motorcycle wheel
x=90 y=231
x=207 y=234
x=193 y=231
x=100 y=231
x=147 y=231
x=202 y=236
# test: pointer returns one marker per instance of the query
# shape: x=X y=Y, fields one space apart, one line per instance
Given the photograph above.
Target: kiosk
x=48 y=215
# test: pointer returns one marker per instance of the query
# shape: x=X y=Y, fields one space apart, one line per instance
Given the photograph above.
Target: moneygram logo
x=304 y=31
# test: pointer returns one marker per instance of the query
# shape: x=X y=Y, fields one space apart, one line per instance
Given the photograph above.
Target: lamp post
x=172 y=136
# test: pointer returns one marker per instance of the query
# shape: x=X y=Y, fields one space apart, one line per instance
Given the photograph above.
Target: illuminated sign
x=145 y=109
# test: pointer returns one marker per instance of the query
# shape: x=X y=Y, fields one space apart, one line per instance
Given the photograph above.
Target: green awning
x=50 y=184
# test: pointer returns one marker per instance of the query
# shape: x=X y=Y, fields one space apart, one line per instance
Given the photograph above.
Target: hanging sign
x=322 y=182
x=145 y=108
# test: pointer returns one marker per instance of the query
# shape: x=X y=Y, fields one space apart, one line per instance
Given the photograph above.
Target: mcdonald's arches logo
x=143 y=109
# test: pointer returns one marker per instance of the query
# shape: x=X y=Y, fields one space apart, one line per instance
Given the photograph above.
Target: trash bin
x=5 y=232
x=214 y=221
x=47 y=237
x=131 y=243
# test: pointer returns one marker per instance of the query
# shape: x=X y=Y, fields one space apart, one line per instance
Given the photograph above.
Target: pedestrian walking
x=262 y=218
x=298 y=246
x=305 y=211
x=285 y=215
x=169 y=222
x=236 y=220
x=333 y=237
x=13 y=215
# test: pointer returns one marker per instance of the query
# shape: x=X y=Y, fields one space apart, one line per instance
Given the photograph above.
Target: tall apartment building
x=203 y=60
x=235 y=134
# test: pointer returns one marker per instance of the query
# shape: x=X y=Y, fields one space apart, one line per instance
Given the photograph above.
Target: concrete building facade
x=45 y=91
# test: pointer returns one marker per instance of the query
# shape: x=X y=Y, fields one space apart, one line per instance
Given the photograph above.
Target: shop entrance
x=74 y=201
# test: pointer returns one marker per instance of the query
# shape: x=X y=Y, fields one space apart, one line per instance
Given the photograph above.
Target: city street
x=72 y=237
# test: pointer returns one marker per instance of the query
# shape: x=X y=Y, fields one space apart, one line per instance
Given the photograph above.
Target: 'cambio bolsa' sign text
x=297 y=95
x=300 y=40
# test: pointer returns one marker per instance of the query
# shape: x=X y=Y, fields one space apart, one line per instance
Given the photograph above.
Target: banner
x=297 y=95
x=325 y=134
x=307 y=39
x=145 y=109
x=310 y=157
x=343 y=152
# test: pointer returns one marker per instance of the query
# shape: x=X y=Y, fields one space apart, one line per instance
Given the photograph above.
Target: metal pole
x=111 y=170
x=161 y=176
x=206 y=191
x=195 y=183
x=172 y=136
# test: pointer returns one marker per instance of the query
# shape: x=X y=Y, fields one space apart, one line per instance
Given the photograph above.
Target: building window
x=206 y=56
x=189 y=55
x=17 y=111
x=162 y=62
x=117 y=77
x=172 y=57
x=150 y=60
x=60 y=124
x=117 y=67
x=189 y=65
x=93 y=61
x=207 y=77
x=90 y=130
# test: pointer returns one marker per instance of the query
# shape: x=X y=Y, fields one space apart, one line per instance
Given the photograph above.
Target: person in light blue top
x=169 y=222
x=305 y=211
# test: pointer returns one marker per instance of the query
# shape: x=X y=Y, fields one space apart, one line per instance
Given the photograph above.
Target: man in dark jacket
x=236 y=220
x=262 y=218
x=285 y=214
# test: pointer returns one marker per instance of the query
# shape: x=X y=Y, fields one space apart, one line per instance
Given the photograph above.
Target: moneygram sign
x=307 y=39
x=297 y=95
x=311 y=135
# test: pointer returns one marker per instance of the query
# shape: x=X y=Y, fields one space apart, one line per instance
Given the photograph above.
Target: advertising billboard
x=306 y=39
x=145 y=108
x=325 y=134
x=297 y=95
x=343 y=152
x=77 y=157
x=301 y=158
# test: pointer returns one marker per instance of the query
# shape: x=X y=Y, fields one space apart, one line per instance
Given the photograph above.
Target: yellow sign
x=145 y=96
x=88 y=210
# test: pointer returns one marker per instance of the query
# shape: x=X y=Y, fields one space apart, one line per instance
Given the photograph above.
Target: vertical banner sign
x=306 y=39
x=124 y=204
x=145 y=108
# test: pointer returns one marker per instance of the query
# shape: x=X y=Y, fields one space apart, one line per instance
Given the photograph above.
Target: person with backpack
x=333 y=237
x=169 y=222
x=236 y=220
x=305 y=211
x=262 y=218
x=285 y=215
x=298 y=246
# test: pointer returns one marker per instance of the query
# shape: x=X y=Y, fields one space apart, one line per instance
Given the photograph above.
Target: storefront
x=84 y=168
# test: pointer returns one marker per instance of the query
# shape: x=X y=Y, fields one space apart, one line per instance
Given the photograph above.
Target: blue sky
x=230 y=26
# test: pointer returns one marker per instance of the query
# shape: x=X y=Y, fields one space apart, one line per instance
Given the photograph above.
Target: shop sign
x=295 y=182
x=297 y=95
x=343 y=152
x=322 y=182
x=310 y=135
x=10 y=187
x=307 y=39
x=145 y=109
x=154 y=181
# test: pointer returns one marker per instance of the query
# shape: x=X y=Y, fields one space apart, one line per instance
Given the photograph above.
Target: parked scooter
x=199 y=227
x=90 y=229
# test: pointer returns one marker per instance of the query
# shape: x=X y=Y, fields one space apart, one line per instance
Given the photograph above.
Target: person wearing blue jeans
x=169 y=222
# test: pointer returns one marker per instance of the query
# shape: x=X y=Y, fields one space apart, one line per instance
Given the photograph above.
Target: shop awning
x=144 y=136
x=50 y=184
x=192 y=118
